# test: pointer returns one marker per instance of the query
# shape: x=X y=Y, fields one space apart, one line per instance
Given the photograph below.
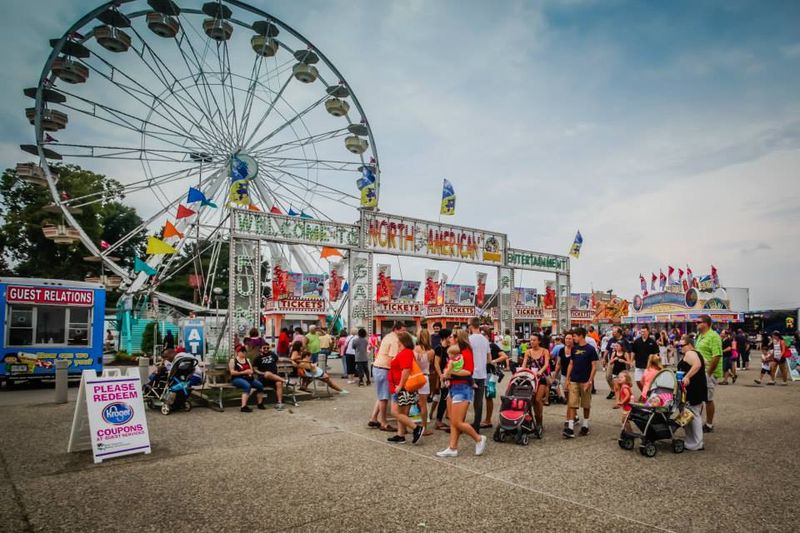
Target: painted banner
x=442 y=285
x=280 y=278
x=284 y=228
x=480 y=291
x=549 y=295
x=526 y=260
x=49 y=296
x=404 y=290
x=459 y=294
x=384 y=289
x=431 y=287
x=335 y=279
x=393 y=234
x=526 y=296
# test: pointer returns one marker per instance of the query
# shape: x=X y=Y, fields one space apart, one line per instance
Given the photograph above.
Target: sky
x=668 y=133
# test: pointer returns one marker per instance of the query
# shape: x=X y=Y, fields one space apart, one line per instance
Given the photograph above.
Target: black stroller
x=171 y=393
x=654 y=423
x=516 y=410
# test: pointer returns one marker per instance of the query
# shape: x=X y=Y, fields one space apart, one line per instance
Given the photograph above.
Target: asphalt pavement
x=317 y=467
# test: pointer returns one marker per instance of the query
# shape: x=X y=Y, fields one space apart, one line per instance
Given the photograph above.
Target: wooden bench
x=219 y=380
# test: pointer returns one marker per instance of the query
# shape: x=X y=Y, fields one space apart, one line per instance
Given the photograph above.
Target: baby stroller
x=652 y=423
x=516 y=410
x=172 y=392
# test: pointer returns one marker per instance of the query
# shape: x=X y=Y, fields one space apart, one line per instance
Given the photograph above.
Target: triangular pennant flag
x=157 y=246
x=304 y=215
x=327 y=252
x=184 y=212
x=293 y=213
x=195 y=195
x=171 y=231
x=253 y=207
x=274 y=209
x=345 y=287
x=141 y=266
x=209 y=203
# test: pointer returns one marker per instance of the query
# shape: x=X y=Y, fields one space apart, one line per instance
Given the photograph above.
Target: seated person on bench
x=301 y=359
x=241 y=372
x=266 y=368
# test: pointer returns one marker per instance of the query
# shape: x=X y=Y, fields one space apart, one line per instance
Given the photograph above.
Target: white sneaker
x=447 y=452
x=343 y=392
x=481 y=446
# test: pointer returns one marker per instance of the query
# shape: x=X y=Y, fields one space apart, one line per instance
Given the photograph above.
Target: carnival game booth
x=396 y=301
x=682 y=309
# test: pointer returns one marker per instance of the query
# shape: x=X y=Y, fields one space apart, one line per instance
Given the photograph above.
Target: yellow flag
x=157 y=246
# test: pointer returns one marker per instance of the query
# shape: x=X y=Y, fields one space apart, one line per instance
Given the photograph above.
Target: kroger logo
x=117 y=413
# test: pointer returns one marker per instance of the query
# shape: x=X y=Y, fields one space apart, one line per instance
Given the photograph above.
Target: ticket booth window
x=48 y=325
x=78 y=326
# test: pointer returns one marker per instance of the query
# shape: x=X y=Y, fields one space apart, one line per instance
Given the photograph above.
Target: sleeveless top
x=422 y=360
x=697 y=390
x=241 y=367
x=538 y=363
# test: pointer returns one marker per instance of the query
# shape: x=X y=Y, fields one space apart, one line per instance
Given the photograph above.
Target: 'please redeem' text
x=110 y=392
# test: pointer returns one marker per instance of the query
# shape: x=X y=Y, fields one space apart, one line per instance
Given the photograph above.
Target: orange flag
x=253 y=207
x=171 y=231
x=329 y=252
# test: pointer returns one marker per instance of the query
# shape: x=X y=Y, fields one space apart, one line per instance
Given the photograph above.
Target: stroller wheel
x=187 y=406
x=678 y=446
x=149 y=403
x=498 y=435
x=648 y=449
x=625 y=443
x=164 y=409
x=524 y=439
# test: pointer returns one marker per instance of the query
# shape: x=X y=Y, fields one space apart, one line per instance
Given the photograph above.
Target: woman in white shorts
x=423 y=353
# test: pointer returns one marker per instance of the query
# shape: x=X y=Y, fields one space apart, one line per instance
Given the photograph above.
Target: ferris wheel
x=196 y=108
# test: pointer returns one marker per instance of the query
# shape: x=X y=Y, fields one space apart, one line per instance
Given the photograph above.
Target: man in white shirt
x=480 y=355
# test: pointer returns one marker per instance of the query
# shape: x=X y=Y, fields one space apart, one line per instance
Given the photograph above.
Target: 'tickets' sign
x=116 y=415
x=289 y=305
x=408 y=236
x=49 y=296
x=398 y=309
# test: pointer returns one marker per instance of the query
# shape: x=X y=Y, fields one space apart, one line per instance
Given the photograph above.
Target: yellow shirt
x=390 y=346
x=325 y=342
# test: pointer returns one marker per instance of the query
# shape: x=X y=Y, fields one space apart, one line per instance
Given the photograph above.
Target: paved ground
x=318 y=468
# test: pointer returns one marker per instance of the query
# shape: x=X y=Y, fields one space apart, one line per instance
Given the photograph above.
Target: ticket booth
x=409 y=313
x=291 y=313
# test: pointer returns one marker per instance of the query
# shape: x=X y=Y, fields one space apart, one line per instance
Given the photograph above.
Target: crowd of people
x=439 y=374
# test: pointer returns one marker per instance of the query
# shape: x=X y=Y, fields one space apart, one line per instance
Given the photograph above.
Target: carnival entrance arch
x=381 y=233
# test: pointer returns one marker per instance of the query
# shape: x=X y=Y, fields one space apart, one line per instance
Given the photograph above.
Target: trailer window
x=50 y=324
x=20 y=325
x=78 y=326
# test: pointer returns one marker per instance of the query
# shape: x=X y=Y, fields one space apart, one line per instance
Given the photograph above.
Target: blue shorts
x=461 y=392
x=381 y=377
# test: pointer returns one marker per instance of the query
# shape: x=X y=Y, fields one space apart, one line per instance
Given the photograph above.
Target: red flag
x=104 y=245
x=654 y=278
x=184 y=212
x=680 y=273
x=274 y=209
x=670 y=270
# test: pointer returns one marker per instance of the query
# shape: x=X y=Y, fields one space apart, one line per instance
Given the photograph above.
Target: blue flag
x=575 y=249
x=196 y=195
x=345 y=287
x=448 y=198
x=141 y=266
x=292 y=212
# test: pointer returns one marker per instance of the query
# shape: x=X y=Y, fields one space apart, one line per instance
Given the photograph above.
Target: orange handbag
x=416 y=380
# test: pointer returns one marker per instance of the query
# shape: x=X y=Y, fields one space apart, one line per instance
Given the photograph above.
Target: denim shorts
x=381 y=377
x=461 y=392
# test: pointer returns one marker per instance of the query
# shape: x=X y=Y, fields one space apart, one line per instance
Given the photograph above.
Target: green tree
x=24 y=250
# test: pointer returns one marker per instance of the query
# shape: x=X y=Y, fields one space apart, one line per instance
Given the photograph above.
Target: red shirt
x=403 y=360
x=469 y=365
x=283 y=344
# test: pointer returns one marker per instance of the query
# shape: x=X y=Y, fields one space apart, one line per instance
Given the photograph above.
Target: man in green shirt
x=312 y=343
x=709 y=345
